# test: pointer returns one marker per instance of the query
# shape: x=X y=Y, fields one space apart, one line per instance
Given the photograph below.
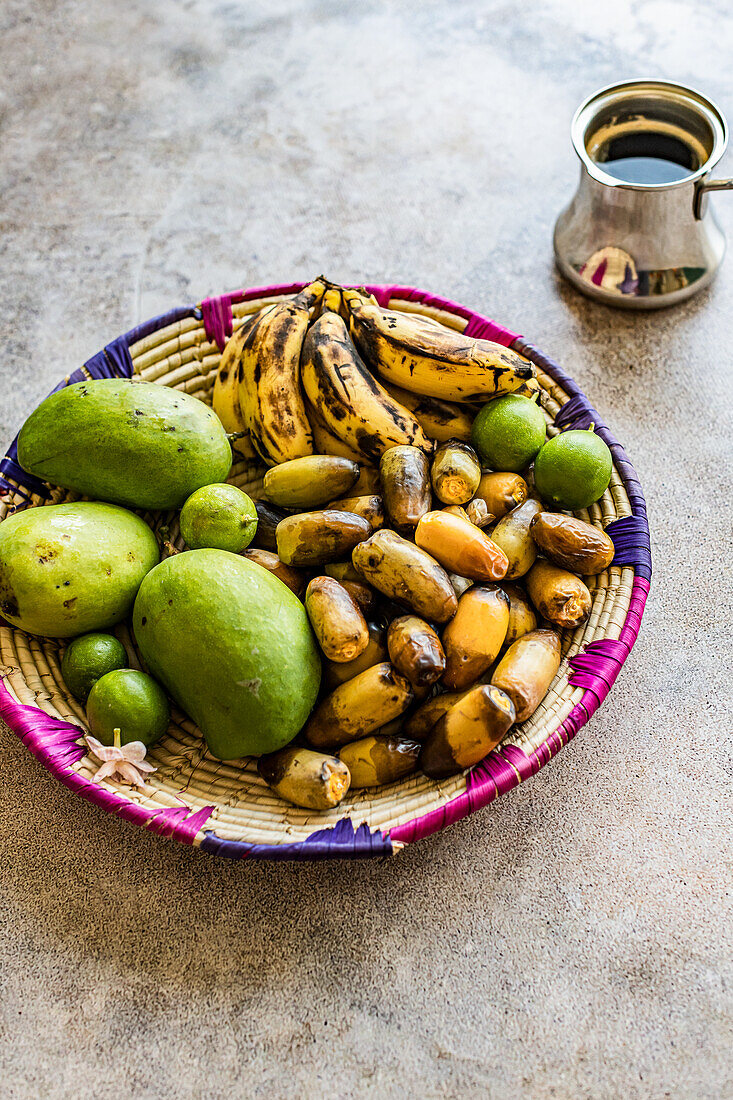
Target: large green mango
x=67 y=569
x=233 y=646
x=132 y=443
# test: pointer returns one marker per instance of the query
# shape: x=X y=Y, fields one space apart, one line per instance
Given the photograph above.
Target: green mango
x=232 y=645
x=67 y=569
x=132 y=443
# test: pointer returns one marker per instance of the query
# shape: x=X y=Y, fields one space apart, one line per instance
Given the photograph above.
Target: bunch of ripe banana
x=300 y=377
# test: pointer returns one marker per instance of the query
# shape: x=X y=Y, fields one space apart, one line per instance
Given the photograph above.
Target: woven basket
x=225 y=808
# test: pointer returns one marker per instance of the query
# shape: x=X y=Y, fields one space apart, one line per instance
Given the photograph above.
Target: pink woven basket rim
x=54 y=742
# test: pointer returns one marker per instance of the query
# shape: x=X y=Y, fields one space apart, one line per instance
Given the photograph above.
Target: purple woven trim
x=9 y=469
x=343 y=841
x=597 y=667
x=217 y=318
x=77 y=375
x=162 y=321
x=578 y=413
x=494 y=776
x=113 y=361
x=481 y=329
x=478 y=327
x=217 y=312
x=524 y=765
x=595 y=670
x=496 y=770
x=631 y=538
x=54 y=743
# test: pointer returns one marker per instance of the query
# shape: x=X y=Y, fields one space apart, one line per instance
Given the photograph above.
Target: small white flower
x=125 y=762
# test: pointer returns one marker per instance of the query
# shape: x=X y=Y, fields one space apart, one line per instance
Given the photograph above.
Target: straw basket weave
x=225 y=808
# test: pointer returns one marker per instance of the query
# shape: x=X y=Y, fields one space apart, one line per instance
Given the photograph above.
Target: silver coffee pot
x=640 y=231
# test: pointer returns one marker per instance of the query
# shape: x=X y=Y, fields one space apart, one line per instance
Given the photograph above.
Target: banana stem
x=117 y=736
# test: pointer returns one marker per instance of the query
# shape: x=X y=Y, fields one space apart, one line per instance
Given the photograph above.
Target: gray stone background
x=572 y=941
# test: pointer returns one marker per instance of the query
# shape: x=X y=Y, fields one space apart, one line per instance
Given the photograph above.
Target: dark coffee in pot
x=647 y=157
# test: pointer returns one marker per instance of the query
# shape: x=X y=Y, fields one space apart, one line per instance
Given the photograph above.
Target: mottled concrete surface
x=573 y=941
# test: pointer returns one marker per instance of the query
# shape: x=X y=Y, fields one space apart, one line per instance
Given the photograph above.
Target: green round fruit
x=573 y=470
x=508 y=433
x=218 y=517
x=69 y=569
x=233 y=646
x=134 y=443
x=130 y=701
x=87 y=659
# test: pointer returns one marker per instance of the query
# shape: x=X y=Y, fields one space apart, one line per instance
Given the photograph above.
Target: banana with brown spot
x=225 y=399
x=440 y=420
x=348 y=400
x=421 y=355
x=325 y=441
x=269 y=378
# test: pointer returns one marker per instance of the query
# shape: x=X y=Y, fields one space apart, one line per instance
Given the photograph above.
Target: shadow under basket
x=224 y=807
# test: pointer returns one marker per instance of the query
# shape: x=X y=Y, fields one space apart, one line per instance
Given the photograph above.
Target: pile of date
x=437 y=592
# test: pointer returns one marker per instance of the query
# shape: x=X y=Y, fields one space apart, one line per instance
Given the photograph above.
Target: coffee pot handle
x=708 y=185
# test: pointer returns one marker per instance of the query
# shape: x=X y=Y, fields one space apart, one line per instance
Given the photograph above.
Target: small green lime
x=219 y=517
x=508 y=433
x=573 y=469
x=87 y=659
x=130 y=701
